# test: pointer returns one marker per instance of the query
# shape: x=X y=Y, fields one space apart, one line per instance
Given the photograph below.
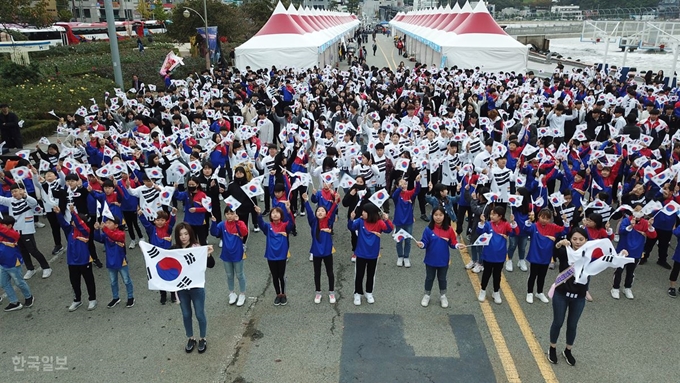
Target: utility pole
x=113 y=41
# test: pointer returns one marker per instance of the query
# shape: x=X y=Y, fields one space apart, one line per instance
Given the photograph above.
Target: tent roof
x=480 y=21
x=280 y=22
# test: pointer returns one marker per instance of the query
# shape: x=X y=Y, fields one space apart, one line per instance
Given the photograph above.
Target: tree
x=25 y=12
x=230 y=20
x=352 y=6
x=159 y=12
x=144 y=10
x=258 y=11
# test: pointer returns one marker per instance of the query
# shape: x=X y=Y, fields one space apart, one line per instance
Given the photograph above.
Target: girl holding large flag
x=569 y=296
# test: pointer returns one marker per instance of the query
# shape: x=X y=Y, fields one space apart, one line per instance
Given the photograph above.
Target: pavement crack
x=339 y=279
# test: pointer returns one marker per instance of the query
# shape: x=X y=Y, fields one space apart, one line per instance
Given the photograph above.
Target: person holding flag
x=160 y=234
x=236 y=190
x=543 y=234
x=113 y=239
x=276 y=249
x=194 y=211
x=320 y=222
x=664 y=224
x=437 y=238
x=231 y=233
x=354 y=200
x=495 y=252
x=633 y=233
x=403 y=217
x=368 y=226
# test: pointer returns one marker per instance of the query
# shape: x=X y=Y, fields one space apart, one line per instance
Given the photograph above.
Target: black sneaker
x=570 y=358
x=643 y=261
x=552 y=355
x=294 y=233
x=130 y=302
x=284 y=300
x=265 y=213
x=664 y=264
x=191 y=344
x=163 y=299
x=424 y=218
x=202 y=346
x=277 y=300
x=29 y=302
x=14 y=306
x=173 y=298
x=113 y=303
x=57 y=250
x=672 y=293
x=98 y=263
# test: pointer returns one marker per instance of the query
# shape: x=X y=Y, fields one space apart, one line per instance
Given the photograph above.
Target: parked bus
x=81 y=32
x=56 y=35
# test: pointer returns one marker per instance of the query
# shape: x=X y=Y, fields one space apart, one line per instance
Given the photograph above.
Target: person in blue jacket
x=113 y=239
x=78 y=257
x=160 y=234
x=496 y=249
x=276 y=249
x=519 y=242
x=403 y=217
x=633 y=232
x=232 y=232
x=437 y=238
x=194 y=211
x=368 y=227
x=676 y=267
x=10 y=265
x=320 y=222
x=543 y=234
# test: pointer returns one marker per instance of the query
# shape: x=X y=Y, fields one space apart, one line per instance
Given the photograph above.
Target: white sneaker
x=46 y=273
x=369 y=298
x=482 y=295
x=628 y=293
x=508 y=265
x=444 y=301
x=497 y=298
x=425 y=301
x=311 y=257
x=232 y=298
x=354 y=258
x=530 y=298
x=400 y=262
x=331 y=297
x=132 y=244
x=616 y=237
x=74 y=306
x=357 y=299
x=470 y=265
x=29 y=274
x=262 y=198
x=39 y=224
x=241 y=300
x=303 y=213
x=256 y=229
x=407 y=262
x=615 y=293
x=317 y=297
x=91 y=305
x=220 y=245
x=543 y=298
x=478 y=268
x=522 y=264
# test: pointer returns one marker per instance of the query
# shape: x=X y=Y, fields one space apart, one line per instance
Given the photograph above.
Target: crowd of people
x=509 y=163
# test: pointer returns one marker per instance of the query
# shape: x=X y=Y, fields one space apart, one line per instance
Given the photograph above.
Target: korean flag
x=173 y=270
x=379 y=197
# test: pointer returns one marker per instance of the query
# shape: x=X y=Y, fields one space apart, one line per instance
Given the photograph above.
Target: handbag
x=211 y=261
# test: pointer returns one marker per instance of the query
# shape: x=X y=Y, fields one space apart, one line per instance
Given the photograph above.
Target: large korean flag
x=173 y=270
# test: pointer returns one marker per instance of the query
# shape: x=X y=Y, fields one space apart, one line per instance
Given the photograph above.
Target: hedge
x=34 y=130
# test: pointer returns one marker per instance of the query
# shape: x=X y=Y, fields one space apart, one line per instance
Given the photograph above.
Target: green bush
x=34 y=130
x=13 y=74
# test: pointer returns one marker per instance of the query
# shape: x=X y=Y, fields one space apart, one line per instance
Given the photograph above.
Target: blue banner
x=212 y=38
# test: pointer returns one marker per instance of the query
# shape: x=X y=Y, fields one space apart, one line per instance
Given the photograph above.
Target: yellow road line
x=385 y=56
x=535 y=347
x=499 y=341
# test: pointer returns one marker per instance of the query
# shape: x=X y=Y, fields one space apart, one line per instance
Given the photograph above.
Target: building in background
x=669 y=9
x=567 y=12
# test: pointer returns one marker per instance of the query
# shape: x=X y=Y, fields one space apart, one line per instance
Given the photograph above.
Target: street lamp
x=186 y=15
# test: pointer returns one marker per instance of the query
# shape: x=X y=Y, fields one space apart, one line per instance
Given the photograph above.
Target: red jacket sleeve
x=114 y=235
x=9 y=233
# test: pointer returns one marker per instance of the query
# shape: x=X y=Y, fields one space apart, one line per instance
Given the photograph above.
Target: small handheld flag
x=379 y=197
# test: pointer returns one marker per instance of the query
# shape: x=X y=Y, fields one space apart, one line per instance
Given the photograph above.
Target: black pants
x=421 y=200
x=367 y=267
x=201 y=234
x=675 y=272
x=495 y=268
x=294 y=196
x=91 y=219
x=132 y=224
x=28 y=248
x=267 y=199
x=278 y=270
x=664 y=239
x=328 y=262
x=630 y=275
x=164 y=296
x=55 y=227
x=85 y=271
x=464 y=215
x=355 y=239
x=536 y=274
x=243 y=216
x=12 y=138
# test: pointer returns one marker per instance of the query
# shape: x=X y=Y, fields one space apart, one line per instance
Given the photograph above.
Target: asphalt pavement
x=392 y=340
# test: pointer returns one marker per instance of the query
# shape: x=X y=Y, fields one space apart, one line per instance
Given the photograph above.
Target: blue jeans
x=561 y=303
x=440 y=272
x=125 y=274
x=7 y=275
x=519 y=243
x=475 y=253
x=197 y=297
x=235 y=268
x=404 y=247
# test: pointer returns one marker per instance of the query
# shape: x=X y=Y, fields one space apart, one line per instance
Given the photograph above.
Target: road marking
x=387 y=59
x=499 y=341
x=535 y=347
